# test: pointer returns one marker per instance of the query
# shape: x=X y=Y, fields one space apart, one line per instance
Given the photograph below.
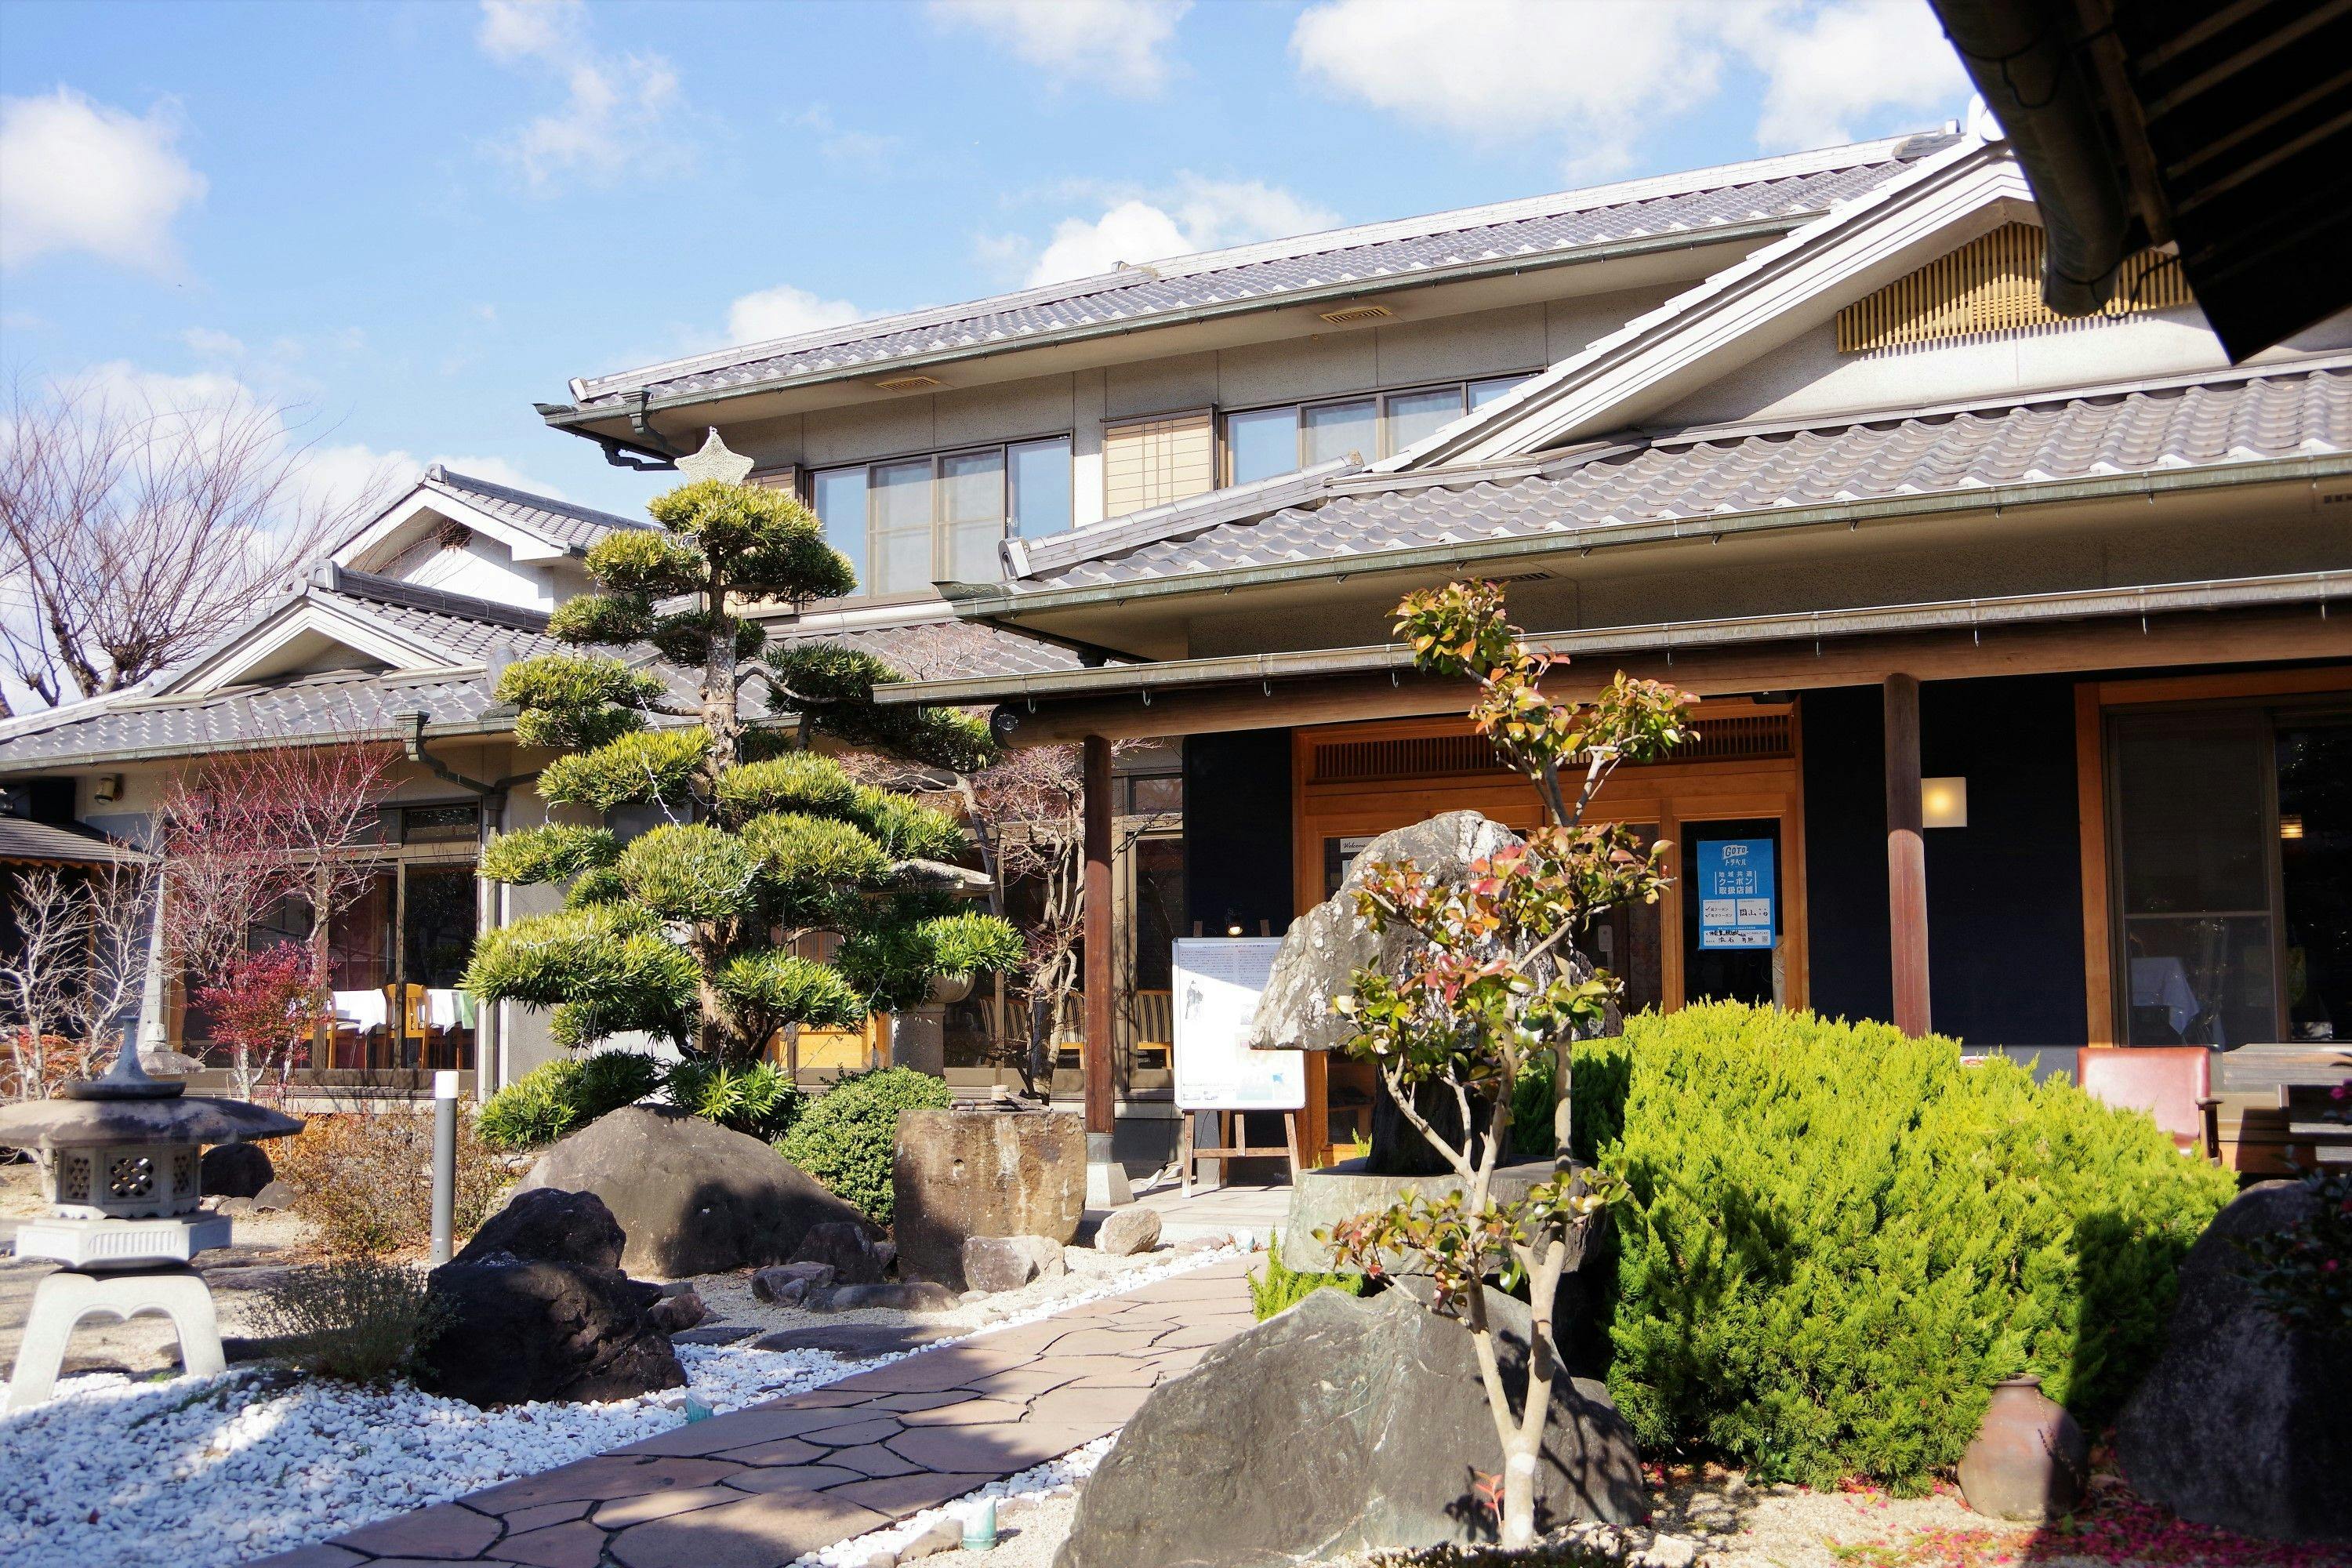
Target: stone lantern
x=120 y=1157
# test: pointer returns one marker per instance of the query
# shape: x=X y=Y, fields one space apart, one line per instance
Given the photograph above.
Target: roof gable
x=1785 y=289
x=530 y=527
x=312 y=634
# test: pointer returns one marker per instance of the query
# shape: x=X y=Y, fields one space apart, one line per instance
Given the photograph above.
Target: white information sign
x=1218 y=981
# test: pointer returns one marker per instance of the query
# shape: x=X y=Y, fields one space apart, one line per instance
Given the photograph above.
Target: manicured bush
x=1279 y=1287
x=761 y=1099
x=364 y=1183
x=848 y=1136
x=1837 y=1237
x=358 y=1319
x=564 y=1096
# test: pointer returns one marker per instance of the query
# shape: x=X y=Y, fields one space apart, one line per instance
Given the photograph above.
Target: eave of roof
x=1009 y=601
x=2289 y=589
x=611 y=396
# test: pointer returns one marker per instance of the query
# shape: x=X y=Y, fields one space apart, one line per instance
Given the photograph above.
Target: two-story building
x=2020 y=642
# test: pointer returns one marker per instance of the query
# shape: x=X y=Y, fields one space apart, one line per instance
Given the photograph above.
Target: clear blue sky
x=415 y=219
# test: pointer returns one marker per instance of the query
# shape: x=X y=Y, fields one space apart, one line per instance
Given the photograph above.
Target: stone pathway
x=759 y=1486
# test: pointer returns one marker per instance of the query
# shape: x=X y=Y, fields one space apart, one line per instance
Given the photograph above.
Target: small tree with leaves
x=266 y=1007
x=707 y=929
x=1493 y=988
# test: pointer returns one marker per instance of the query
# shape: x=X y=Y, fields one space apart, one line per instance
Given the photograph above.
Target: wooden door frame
x=1664 y=794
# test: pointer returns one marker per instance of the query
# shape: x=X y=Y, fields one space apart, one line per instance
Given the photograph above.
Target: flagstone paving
x=759 y=1487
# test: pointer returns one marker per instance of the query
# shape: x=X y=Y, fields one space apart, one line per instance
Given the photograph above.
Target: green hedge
x=848 y=1136
x=564 y=1096
x=1837 y=1237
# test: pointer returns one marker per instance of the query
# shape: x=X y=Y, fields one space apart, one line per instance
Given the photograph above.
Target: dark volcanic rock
x=2240 y=1421
x=235 y=1171
x=692 y=1196
x=676 y=1312
x=515 y=1329
x=1341 y=1425
x=550 y=1224
x=851 y=1249
x=915 y=1296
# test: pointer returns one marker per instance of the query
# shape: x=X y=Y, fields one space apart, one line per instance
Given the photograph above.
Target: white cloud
x=1117 y=44
x=873 y=151
x=1195 y=214
x=781 y=313
x=612 y=101
x=1593 y=79
x=77 y=177
x=1828 y=68
x=211 y=344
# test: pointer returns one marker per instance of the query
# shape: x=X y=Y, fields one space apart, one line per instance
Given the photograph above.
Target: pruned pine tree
x=699 y=930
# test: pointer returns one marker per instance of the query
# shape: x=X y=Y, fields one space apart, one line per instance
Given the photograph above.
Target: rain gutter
x=2290 y=589
x=990 y=601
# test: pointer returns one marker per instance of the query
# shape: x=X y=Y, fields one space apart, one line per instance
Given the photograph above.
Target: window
x=1267 y=443
x=911 y=522
x=2234 y=876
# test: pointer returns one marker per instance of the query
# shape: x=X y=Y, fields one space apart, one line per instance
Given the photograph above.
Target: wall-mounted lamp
x=108 y=789
x=2290 y=826
x=1944 y=803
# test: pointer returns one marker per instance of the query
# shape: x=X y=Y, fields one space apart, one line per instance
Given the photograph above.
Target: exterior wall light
x=1944 y=803
x=2291 y=825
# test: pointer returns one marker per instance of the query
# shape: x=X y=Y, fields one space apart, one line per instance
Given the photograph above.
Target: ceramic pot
x=2030 y=1460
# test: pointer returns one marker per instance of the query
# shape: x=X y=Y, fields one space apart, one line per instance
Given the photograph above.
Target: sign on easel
x=1217 y=981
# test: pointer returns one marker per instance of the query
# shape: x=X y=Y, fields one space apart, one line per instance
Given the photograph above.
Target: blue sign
x=1734 y=888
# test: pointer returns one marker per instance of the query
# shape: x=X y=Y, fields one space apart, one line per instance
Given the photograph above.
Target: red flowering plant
x=266 y=1007
x=2302 y=1273
x=1493 y=990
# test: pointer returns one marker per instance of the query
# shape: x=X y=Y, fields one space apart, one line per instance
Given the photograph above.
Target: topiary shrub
x=761 y=1099
x=1836 y=1238
x=848 y=1136
x=564 y=1096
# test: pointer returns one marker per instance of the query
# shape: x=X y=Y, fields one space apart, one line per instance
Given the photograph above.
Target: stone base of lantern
x=104 y=1244
x=66 y=1297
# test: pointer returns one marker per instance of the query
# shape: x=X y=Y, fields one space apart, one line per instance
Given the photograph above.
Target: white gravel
x=207 y=1472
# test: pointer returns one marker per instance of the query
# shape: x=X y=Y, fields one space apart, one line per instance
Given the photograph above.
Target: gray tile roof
x=1545 y=229
x=1698 y=474
x=946 y=650
x=22 y=839
x=466 y=627
x=558 y=521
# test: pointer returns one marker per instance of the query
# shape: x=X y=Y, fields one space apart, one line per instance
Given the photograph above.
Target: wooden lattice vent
x=1992 y=287
x=1721 y=738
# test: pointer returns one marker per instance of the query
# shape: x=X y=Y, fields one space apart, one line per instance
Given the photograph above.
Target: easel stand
x=1189 y=1154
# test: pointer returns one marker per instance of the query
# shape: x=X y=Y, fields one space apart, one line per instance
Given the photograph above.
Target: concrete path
x=759 y=1486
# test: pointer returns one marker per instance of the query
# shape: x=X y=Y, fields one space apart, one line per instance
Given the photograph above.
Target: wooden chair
x=2172 y=1083
x=1155 y=1029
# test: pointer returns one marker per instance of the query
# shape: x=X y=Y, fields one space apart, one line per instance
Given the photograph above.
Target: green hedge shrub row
x=848 y=1136
x=1837 y=1237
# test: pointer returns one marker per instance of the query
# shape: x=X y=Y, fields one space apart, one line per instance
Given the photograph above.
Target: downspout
x=488 y=1044
x=2021 y=55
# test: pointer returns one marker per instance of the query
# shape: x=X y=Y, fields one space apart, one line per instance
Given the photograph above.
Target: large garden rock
x=235 y=1171
x=692 y=1196
x=1339 y=1427
x=1324 y=949
x=984 y=1171
x=2241 y=1422
x=520 y=1329
x=550 y=1224
x=1126 y=1232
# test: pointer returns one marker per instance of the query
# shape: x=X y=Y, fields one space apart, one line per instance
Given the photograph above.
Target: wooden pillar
x=1100 y=937
x=1906 y=856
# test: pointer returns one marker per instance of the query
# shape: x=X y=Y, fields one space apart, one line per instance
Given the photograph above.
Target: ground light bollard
x=444 y=1163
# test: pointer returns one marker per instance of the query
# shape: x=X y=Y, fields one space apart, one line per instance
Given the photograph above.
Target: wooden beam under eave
x=1101 y=938
x=1906 y=856
x=2204 y=637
